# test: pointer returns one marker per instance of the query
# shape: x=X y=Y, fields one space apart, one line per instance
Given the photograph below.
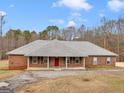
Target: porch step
x=57 y=69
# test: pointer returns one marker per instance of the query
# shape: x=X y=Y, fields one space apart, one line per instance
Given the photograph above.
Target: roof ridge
x=64 y=40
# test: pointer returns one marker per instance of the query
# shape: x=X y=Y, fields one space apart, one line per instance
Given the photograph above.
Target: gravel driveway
x=28 y=77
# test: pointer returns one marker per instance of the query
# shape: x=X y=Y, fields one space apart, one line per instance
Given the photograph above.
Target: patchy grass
x=90 y=83
x=4 y=72
x=4 y=64
x=8 y=73
x=101 y=68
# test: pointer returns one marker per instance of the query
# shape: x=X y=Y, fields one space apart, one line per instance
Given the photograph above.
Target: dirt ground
x=4 y=72
x=44 y=81
x=87 y=82
x=19 y=81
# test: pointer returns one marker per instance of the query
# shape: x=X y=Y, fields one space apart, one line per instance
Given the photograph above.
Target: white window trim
x=95 y=61
x=108 y=59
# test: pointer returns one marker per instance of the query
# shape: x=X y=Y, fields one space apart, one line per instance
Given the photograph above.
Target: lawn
x=90 y=83
x=4 y=72
x=4 y=64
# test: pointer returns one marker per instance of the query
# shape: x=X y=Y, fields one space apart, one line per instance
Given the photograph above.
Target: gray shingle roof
x=61 y=48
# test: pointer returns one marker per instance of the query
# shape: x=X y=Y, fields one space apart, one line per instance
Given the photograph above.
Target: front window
x=68 y=60
x=34 y=60
x=77 y=60
x=108 y=60
x=95 y=60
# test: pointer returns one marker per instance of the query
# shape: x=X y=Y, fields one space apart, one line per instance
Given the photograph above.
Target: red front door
x=56 y=62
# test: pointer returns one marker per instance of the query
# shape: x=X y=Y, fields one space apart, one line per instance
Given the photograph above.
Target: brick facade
x=20 y=62
x=101 y=61
x=17 y=62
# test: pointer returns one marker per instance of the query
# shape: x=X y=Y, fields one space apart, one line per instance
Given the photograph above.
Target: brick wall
x=101 y=62
x=17 y=62
x=20 y=62
x=38 y=65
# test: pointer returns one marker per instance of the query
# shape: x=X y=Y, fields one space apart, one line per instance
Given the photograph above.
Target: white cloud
x=12 y=6
x=57 y=21
x=116 y=5
x=77 y=17
x=2 y=13
x=71 y=23
x=101 y=14
x=76 y=14
x=73 y=4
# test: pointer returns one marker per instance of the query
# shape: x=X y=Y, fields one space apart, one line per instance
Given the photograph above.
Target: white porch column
x=66 y=62
x=83 y=61
x=48 y=63
x=28 y=62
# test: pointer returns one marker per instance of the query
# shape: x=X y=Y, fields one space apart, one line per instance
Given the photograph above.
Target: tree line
x=109 y=34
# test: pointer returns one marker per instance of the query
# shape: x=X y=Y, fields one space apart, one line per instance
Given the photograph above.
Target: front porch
x=55 y=63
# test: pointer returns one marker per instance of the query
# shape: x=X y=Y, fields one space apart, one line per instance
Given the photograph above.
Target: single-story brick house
x=54 y=54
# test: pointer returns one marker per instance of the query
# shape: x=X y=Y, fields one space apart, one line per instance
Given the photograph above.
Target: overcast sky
x=38 y=14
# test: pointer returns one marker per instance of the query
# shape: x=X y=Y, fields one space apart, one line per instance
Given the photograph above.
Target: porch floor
x=56 y=69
